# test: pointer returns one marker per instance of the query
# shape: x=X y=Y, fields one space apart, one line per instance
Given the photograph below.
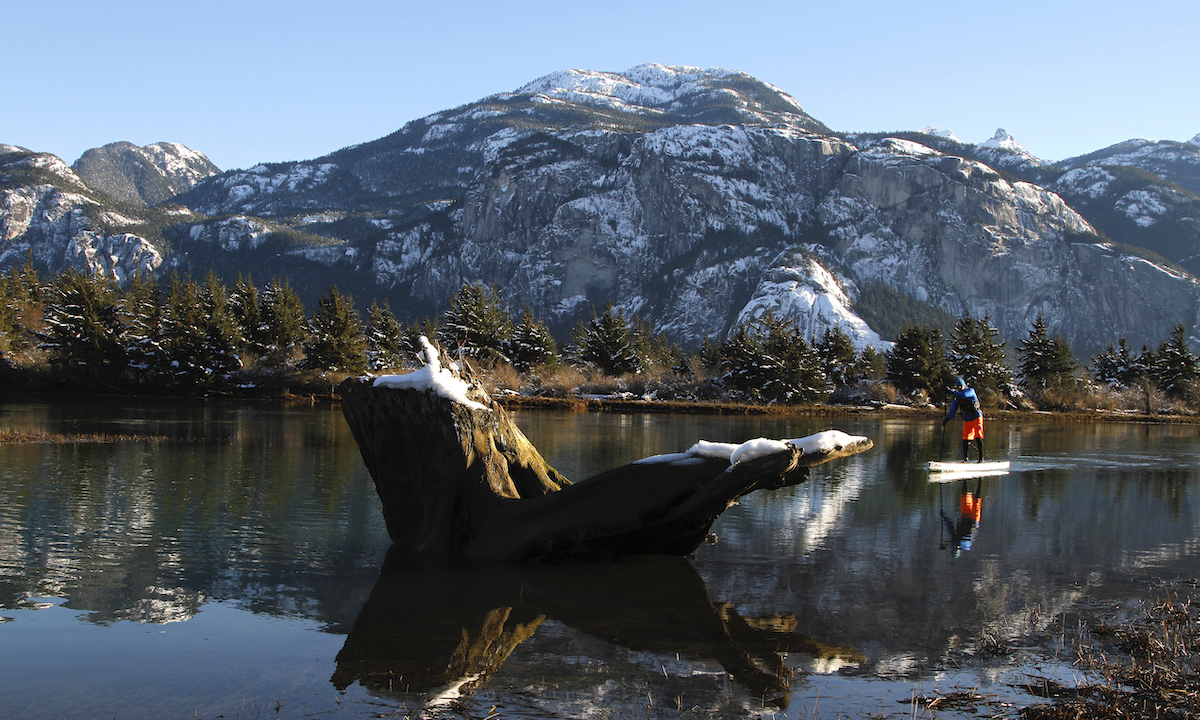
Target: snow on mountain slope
x=46 y=210
x=649 y=88
x=800 y=289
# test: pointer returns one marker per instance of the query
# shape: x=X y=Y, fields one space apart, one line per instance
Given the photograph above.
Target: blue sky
x=258 y=81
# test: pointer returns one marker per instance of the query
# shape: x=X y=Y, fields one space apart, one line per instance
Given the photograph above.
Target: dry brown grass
x=1147 y=667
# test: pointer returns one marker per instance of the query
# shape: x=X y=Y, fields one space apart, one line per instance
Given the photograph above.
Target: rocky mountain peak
x=143 y=176
x=688 y=93
x=1195 y=140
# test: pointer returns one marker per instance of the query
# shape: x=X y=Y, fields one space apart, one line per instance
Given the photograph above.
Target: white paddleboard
x=954 y=470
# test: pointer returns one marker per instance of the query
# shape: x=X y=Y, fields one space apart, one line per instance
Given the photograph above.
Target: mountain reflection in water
x=427 y=627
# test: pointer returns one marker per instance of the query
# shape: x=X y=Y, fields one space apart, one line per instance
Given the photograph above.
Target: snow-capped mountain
x=697 y=198
x=143 y=176
x=1175 y=162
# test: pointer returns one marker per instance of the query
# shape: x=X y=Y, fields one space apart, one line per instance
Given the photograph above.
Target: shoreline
x=637 y=405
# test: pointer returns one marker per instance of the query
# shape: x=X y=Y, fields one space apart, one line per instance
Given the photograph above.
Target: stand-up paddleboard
x=942 y=471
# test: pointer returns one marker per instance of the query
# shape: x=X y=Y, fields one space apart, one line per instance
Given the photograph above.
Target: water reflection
x=256 y=515
x=436 y=629
x=960 y=533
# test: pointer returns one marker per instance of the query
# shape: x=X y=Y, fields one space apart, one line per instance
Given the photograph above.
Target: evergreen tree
x=385 y=338
x=141 y=312
x=838 y=358
x=1046 y=360
x=976 y=353
x=22 y=305
x=917 y=363
x=246 y=306
x=476 y=324
x=871 y=364
x=532 y=344
x=282 y=330
x=335 y=337
x=606 y=344
x=198 y=333
x=83 y=327
x=1176 y=366
x=771 y=361
x=1117 y=366
x=655 y=349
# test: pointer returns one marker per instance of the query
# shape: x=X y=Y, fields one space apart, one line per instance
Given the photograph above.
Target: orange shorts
x=973 y=429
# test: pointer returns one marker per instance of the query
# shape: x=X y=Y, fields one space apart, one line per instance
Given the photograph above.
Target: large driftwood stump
x=458 y=479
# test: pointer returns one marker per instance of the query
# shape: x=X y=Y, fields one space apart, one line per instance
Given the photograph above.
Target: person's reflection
x=970 y=512
x=430 y=627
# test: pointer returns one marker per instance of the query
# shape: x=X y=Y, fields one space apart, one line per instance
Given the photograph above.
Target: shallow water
x=241 y=569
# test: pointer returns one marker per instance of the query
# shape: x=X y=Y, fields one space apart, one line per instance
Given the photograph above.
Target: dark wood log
x=460 y=480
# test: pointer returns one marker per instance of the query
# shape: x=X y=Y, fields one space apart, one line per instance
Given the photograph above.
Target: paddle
x=942 y=448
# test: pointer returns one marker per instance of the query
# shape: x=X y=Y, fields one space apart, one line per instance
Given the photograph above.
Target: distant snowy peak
x=1004 y=152
x=938 y=132
x=1004 y=141
x=655 y=89
x=1195 y=140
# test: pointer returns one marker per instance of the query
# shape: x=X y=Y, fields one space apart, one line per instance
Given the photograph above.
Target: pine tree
x=838 y=358
x=83 y=327
x=976 y=352
x=771 y=361
x=385 y=338
x=1117 y=366
x=532 y=345
x=1176 y=366
x=917 y=363
x=141 y=311
x=22 y=306
x=335 y=338
x=476 y=324
x=1046 y=360
x=871 y=364
x=198 y=333
x=283 y=324
x=606 y=344
x=246 y=306
x=655 y=349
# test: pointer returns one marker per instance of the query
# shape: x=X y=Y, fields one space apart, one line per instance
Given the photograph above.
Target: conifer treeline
x=181 y=333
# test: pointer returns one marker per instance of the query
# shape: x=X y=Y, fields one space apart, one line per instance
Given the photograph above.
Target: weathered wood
x=464 y=482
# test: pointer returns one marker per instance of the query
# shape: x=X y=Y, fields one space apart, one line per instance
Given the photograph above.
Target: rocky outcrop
x=47 y=213
x=143 y=176
x=956 y=234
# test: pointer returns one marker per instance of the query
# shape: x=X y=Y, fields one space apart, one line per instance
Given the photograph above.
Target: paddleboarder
x=967 y=402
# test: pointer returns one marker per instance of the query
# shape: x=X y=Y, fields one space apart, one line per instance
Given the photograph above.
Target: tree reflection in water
x=428 y=626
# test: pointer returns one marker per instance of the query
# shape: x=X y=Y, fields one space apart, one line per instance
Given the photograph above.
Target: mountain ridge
x=685 y=194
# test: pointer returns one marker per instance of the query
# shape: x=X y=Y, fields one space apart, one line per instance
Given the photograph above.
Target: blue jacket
x=970 y=404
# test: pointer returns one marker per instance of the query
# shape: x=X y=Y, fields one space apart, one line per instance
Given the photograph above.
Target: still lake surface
x=239 y=568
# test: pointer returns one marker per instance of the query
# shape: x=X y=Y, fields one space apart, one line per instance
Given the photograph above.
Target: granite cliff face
x=697 y=198
x=955 y=233
x=48 y=213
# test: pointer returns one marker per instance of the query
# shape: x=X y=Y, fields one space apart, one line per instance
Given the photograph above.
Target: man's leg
x=966 y=447
x=979 y=446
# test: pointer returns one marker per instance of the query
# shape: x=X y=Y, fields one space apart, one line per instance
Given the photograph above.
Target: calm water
x=240 y=569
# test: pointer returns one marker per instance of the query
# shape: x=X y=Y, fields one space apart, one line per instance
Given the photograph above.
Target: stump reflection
x=429 y=626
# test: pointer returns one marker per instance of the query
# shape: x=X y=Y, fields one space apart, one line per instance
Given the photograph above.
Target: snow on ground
x=432 y=376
